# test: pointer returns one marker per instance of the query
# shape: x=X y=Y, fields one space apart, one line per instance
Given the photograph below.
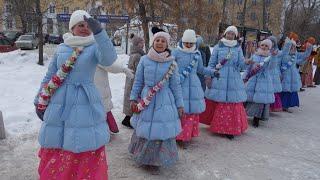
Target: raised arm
x=105 y=51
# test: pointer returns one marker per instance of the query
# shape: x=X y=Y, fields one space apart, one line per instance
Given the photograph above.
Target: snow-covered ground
x=285 y=147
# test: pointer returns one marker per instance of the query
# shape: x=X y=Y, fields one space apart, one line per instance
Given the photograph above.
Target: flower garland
x=56 y=80
x=221 y=64
x=188 y=69
x=256 y=69
x=143 y=103
x=289 y=63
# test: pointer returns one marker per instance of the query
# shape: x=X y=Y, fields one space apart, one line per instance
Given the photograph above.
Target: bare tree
x=308 y=22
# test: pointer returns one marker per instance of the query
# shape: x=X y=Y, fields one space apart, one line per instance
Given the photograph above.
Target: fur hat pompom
x=189 y=35
x=232 y=29
x=76 y=17
x=267 y=42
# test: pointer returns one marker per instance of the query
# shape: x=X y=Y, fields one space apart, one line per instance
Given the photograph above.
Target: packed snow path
x=285 y=147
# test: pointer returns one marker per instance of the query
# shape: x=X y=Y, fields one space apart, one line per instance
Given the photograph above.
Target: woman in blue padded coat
x=291 y=81
x=226 y=93
x=259 y=86
x=190 y=63
x=156 y=120
x=74 y=130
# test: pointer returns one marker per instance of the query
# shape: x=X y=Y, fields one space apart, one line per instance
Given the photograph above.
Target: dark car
x=55 y=38
x=6 y=45
x=12 y=35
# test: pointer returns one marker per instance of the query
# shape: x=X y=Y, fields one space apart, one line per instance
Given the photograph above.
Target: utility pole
x=40 y=34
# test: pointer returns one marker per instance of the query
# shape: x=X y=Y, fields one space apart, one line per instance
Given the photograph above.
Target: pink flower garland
x=56 y=80
x=143 y=103
x=253 y=71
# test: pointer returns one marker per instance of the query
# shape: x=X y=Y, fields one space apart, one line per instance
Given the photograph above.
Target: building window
x=66 y=10
x=254 y=2
x=52 y=9
x=240 y=2
x=253 y=16
x=8 y=8
x=76 y=8
x=9 y=23
x=239 y=15
x=268 y=2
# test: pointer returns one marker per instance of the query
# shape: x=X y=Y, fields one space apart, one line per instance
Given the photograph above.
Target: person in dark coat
x=205 y=54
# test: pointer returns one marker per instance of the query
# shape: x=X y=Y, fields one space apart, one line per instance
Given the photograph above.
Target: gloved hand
x=39 y=113
x=181 y=112
x=93 y=24
x=134 y=107
x=128 y=72
x=208 y=80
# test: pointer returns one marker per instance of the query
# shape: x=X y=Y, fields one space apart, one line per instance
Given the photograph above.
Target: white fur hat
x=189 y=36
x=76 y=17
x=162 y=34
x=232 y=29
x=267 y=42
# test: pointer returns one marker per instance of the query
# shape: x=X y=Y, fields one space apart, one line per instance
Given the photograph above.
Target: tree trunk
x=40 y=34
x=244 y=11
x=2 y=130
x=264 y=15
x=223 y=17
x=144 y=20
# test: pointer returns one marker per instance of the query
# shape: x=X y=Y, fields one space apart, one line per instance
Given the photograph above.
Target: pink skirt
x=66 y=165
x=225 y=118
x=190 y=127
x=277 y=105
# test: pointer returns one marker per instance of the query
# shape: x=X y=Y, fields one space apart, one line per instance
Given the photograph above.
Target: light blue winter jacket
x=193 y=96
x=291 y=81
x=275 y=72
x=229 y=88
x=75 y=118
x=259 y=88
x=159 y=120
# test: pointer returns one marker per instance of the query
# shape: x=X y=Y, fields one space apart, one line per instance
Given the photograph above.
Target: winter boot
x=255 y=122
x=229 y=136
x=126 y=122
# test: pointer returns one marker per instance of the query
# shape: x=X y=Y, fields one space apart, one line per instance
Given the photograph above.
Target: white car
x=27 y=42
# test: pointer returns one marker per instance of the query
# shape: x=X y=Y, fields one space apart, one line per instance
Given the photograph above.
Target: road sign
x=101 y=18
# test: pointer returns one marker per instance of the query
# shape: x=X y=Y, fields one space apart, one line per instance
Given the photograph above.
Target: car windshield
x=10 y=34
x=29 y=37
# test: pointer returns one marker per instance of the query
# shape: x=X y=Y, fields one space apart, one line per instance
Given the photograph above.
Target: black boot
x=126 y=122
x=255 y=122
x=230 y=136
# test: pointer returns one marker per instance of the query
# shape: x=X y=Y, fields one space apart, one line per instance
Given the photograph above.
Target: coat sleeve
x=52 y=70
x=285 y=50
x=302 y=56
x=115 y=68
x=208 y=71
x=138 y=82
x=175 y=86
x=105 y=51
x=136 y=59
x=241 y=63
x=214 y=58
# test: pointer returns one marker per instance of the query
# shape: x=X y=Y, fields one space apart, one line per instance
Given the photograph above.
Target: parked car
x=13 y=35
x=6 y=45
x=27 y=42
x=55 y=38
